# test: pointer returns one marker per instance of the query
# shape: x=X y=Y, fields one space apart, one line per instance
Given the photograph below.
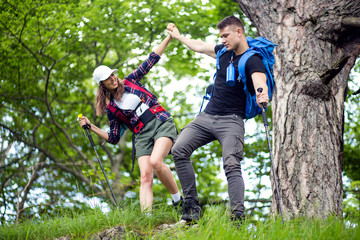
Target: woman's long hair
x=103 y=96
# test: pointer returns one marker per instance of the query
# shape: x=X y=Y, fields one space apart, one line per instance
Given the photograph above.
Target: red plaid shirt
x=116 y=125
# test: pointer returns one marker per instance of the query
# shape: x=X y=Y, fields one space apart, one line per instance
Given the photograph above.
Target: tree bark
x=318 y=45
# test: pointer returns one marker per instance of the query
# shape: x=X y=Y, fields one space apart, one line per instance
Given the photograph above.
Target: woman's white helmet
x=102 y=73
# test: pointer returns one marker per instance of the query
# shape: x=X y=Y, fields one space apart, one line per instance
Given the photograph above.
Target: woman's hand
x=173 y=30
x=84 y=121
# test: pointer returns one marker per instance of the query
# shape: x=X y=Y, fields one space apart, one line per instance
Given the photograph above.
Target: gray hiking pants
x=205 y=128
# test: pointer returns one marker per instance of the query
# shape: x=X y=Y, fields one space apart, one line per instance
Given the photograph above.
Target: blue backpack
x=264 y=48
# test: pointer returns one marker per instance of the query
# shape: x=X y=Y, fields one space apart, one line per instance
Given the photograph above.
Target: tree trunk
x=318 y=45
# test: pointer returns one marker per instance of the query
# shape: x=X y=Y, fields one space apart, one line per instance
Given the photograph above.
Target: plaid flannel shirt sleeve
x=144 y=68
x=115 y=125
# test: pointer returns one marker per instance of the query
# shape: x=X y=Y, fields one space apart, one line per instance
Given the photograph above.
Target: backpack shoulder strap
x=218 y=55
x=242 y=63
x=251 y=107
x=119 y=114
x=134 y=86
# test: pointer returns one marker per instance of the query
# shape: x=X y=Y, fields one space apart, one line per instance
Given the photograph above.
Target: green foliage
x=351 y=155
x=352 y=202
x=49 y=50
x=352 y=128
x=215 y=224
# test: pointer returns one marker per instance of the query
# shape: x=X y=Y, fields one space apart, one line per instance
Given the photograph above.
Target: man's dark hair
x=230 y=20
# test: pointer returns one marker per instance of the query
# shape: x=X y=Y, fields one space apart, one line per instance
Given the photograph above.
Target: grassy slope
x=215 y=224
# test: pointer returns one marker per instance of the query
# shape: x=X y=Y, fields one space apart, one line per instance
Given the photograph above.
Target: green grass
x=215 y=224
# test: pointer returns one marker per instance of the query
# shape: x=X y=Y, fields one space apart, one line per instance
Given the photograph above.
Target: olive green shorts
x=144 y=142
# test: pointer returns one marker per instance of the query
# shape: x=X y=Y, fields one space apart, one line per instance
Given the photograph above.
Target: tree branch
x=20 y=35
x=26 y=190
x=38 y=205
x=217 y=202
x=50 y=156
x=351 y=22
x=104 y=55
x=258 y=207
x=329 y=74
x=13 y=161
x=357 y=92
x=130 y=185
x=5 y=152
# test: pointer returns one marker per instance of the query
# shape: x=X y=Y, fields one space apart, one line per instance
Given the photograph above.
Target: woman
x=128 y=103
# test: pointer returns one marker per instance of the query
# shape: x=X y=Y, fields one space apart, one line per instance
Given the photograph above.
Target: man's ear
x=239 y=31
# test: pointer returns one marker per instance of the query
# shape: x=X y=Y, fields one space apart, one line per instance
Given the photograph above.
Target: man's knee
x=232 y=170
x=175 y=150
x=179 y=151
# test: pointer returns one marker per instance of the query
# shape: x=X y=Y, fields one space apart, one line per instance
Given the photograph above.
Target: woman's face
x=111 y=83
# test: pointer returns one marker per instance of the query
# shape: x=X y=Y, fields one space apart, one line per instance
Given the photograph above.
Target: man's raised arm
x=194 y=45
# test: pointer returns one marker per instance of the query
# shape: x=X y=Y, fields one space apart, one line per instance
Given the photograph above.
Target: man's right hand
x=194 y=45
x=173 y=30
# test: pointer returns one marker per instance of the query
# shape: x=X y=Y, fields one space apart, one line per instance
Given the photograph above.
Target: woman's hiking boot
x=179 y=205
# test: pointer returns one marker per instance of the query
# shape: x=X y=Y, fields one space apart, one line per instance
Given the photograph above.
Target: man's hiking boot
x=237 y=218
x=179 y=205
x=191 y=210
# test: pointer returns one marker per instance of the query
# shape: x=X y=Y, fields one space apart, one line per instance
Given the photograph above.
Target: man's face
x=230 y=37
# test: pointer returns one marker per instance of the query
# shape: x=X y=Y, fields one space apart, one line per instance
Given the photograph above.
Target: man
x=222 y=119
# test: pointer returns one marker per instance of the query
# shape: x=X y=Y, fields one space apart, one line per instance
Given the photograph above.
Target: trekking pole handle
x=87 y=127
x=263 y=109
x=264 y=105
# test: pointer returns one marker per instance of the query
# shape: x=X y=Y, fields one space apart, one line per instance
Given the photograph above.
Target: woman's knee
x=146 y=178
x=156 y=162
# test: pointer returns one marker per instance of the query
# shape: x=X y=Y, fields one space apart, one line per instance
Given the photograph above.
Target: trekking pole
x=86 y=127
x=269 y=145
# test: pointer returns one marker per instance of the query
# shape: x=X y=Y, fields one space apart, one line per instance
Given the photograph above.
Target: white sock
x=176 y=196
x=147 y=214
